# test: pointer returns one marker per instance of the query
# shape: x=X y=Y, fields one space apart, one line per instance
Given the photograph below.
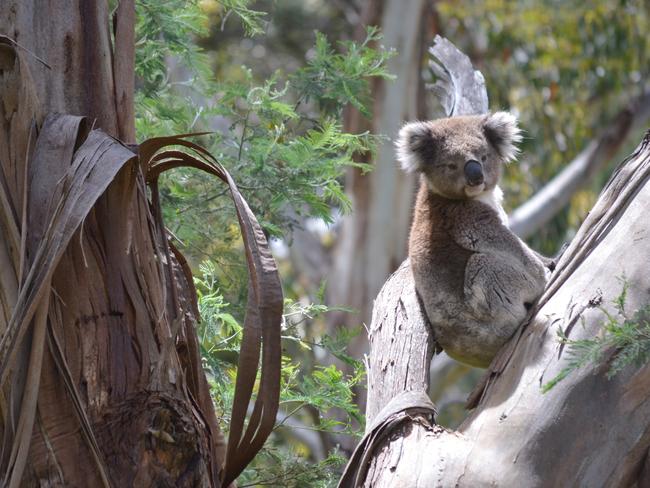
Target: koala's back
x=474 y=278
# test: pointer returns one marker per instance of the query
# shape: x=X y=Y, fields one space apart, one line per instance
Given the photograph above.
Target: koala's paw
x=552 y=262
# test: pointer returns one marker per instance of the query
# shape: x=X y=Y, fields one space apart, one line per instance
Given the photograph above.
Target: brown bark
x=586 y=431
x=102 y=383
x=109 y=314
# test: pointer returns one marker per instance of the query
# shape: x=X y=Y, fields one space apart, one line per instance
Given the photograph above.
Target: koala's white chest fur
x=494 y=198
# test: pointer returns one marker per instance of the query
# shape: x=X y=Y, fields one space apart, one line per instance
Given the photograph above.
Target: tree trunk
x=588 y=430
x=372 y=240
x=107 y=387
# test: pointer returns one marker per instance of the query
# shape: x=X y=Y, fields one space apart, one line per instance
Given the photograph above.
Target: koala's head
x=460 y=157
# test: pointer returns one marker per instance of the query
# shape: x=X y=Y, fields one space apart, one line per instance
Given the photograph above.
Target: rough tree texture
x=109 y=308
x=100 y=368
x=401 y=331
x=586 y=431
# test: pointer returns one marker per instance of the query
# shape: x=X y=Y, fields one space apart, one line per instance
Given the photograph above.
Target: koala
x=476 y=279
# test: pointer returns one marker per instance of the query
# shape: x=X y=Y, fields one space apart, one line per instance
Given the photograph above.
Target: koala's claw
x=556 y=259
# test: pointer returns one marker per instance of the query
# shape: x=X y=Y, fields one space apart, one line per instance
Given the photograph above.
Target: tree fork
x=586 y=431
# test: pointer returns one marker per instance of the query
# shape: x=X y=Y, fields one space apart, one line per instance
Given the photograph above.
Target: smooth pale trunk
x=587 y=430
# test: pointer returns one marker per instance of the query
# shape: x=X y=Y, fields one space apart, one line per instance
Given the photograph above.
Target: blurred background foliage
x=272 y=82
x=566 y=68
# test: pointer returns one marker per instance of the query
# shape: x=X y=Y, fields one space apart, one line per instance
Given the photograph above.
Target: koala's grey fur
x=476 y=278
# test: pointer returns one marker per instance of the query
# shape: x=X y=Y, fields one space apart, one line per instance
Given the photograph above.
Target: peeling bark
x=101 y=376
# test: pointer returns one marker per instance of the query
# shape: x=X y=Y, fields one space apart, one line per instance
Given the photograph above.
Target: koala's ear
x=415 y=146
x=502 y=132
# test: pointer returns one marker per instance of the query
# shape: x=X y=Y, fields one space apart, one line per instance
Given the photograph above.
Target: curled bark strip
x=99 y=318
x=94 y=167
x=56 y=212
x=36 y=177
x=263 y=312
x=83 y=260
x=402 y=408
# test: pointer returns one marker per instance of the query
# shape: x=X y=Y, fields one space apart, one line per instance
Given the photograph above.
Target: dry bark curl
x=101 y=376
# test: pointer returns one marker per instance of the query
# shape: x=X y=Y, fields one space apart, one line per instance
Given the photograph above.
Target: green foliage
x=169 y=28
x=292 y=471
x=280 y=138
x=310 y=394
x=163 y=29
x=250 y=19
x=283 y=157
x=337 y=79
x=624 y=341
x=326 y=388
x=166 y=51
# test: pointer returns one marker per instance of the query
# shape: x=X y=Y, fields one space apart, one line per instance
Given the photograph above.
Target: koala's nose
x=473 y=172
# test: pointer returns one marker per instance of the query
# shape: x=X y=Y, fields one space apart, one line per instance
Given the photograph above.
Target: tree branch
x=553 y=197
x=586 y=431
x=399 y=330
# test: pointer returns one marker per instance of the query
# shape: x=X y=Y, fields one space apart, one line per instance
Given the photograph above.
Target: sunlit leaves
x=167 y=28
x=251 y=20
x=308 y=395
x=278 y=467
x=336 y=79
x=282 y=140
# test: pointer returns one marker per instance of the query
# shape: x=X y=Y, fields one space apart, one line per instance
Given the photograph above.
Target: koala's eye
x=452 y=166
x=483 y=158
